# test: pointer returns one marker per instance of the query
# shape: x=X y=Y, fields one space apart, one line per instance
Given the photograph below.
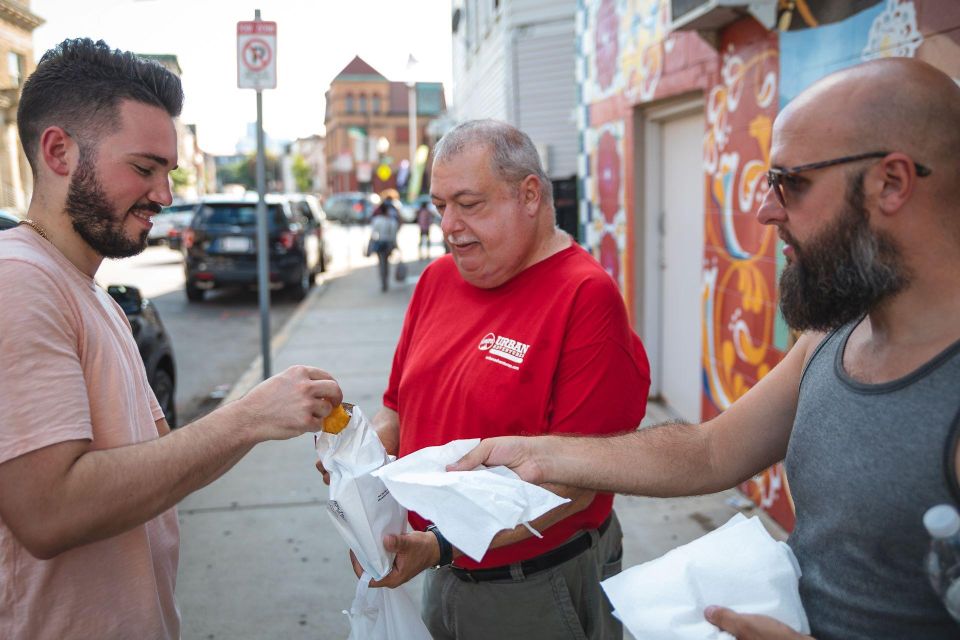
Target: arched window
x=376 y=104
x=363 y=103
x=349 y=103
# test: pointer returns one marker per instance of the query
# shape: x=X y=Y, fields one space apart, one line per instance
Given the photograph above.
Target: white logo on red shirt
x=487 y=342
x=503 y=350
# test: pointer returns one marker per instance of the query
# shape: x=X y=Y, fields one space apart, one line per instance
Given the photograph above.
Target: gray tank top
x=865 y=461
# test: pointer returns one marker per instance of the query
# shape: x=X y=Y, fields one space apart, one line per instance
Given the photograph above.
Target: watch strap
x=446 y=549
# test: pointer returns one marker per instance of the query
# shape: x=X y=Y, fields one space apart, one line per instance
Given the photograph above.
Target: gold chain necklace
x=36 y=227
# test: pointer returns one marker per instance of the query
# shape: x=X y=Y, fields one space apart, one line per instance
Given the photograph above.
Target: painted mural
x=628 y=58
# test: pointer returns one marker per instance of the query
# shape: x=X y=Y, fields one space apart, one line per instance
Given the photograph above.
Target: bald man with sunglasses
x=864 y=190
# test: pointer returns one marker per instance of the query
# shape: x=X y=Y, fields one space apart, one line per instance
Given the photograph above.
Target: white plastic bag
x=384 y=614
x=360 y=506
x=363 y=511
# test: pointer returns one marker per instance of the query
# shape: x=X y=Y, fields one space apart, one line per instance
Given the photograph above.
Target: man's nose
x=770 y=211
x=449 y=223
x=162 y=192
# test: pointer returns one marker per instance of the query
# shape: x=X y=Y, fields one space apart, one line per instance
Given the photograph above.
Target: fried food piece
x=337 y=420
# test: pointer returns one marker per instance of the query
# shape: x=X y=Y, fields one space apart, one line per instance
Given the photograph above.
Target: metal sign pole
x=263 y=250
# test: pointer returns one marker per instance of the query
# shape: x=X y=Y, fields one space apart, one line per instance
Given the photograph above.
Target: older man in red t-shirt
x=519 y=332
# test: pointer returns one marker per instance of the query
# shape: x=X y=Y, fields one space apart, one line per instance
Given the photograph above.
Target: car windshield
x=236 y=215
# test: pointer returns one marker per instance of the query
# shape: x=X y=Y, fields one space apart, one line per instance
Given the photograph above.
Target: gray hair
x=512 y=152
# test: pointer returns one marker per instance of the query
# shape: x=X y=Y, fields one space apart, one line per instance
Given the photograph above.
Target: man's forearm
x=580 y=499
x=662 y=461
x=387 y=425
x=110 y=491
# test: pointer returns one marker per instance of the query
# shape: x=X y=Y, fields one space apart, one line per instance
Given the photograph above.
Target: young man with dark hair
x=89 y=468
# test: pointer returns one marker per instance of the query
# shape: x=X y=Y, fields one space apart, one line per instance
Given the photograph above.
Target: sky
x=315 y=40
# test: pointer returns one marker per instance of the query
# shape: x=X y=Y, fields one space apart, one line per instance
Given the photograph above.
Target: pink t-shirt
x=70 y=370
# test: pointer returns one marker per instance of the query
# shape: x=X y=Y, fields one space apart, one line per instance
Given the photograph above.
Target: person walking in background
x=424 y=221
x=384 y=225
x=89 y=469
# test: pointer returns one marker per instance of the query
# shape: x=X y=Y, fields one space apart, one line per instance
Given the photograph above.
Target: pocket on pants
x=612 y=566
x=565 y=607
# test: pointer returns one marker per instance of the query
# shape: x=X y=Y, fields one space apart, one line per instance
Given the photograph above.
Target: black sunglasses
x=779 y=179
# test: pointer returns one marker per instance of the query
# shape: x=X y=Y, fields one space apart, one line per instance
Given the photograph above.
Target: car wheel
x=193 y=293
x=164 y=389
x=298 y=290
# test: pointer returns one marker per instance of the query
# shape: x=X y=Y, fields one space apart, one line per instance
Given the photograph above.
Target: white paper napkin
x=738 y=566
x=469 y=507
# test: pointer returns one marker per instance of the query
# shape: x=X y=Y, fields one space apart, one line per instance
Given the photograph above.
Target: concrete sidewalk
x=260 y=557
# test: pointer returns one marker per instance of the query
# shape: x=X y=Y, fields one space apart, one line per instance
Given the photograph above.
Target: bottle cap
x=942 y=521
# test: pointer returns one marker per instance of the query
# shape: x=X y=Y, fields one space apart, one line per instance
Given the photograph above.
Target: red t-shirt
x=550 y=351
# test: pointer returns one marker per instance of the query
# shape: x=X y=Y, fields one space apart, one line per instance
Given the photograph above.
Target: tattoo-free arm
x=68 y=494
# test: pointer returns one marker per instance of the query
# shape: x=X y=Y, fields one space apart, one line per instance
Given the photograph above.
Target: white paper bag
x=469 y=507
x=738 y=566
x=360 y=505
x=384 y=614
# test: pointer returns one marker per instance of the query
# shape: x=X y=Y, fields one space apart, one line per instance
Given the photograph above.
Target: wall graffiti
x=628 y=58
x=606 y=233
x=739 y=293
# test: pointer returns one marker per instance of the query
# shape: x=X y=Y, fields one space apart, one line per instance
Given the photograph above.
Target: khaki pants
x=563 y=602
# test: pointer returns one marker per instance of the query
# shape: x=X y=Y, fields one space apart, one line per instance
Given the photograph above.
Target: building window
x=15 y=68
x=376 y=104
x=363 y=103
x=349 y=103
x=402 y=134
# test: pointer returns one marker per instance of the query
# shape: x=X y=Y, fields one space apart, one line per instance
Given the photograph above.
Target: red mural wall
x=738 y=82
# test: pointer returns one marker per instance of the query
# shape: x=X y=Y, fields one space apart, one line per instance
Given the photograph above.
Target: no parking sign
x=257 y=55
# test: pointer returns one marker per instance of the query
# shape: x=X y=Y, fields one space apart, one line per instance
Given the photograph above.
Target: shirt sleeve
x=603 y=376
x=42 y=388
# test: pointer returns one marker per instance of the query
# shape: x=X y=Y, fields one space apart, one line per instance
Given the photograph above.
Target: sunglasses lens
x=773 y=181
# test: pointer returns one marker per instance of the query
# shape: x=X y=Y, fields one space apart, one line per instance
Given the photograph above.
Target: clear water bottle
x=943 y=560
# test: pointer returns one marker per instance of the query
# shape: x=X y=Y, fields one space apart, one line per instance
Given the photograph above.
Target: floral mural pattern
x=606 y=234
x=745 y=81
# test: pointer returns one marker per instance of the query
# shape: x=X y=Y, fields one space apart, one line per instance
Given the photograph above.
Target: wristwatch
x=446 y=549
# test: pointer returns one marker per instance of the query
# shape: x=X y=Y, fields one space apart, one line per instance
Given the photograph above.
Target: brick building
x=367 y=128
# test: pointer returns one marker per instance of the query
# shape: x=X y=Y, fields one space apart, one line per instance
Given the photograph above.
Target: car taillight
x=287 y=239
x=357 y=207
x=188 y=236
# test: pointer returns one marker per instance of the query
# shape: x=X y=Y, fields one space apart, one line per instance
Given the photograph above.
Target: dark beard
x=843 y=273
x=95 y=219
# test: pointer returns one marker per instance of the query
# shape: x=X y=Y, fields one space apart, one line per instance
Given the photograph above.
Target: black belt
x=529 y=567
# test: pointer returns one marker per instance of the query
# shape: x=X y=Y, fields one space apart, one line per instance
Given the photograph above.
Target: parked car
x=151 y=337
x=168 y=225
x=310 y=206
x=221 y=245
x=351 y=207
x=153 y=341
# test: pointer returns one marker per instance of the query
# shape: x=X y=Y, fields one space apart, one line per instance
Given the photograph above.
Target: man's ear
x=56 y=149
x=530 y=193
x=899 y=179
